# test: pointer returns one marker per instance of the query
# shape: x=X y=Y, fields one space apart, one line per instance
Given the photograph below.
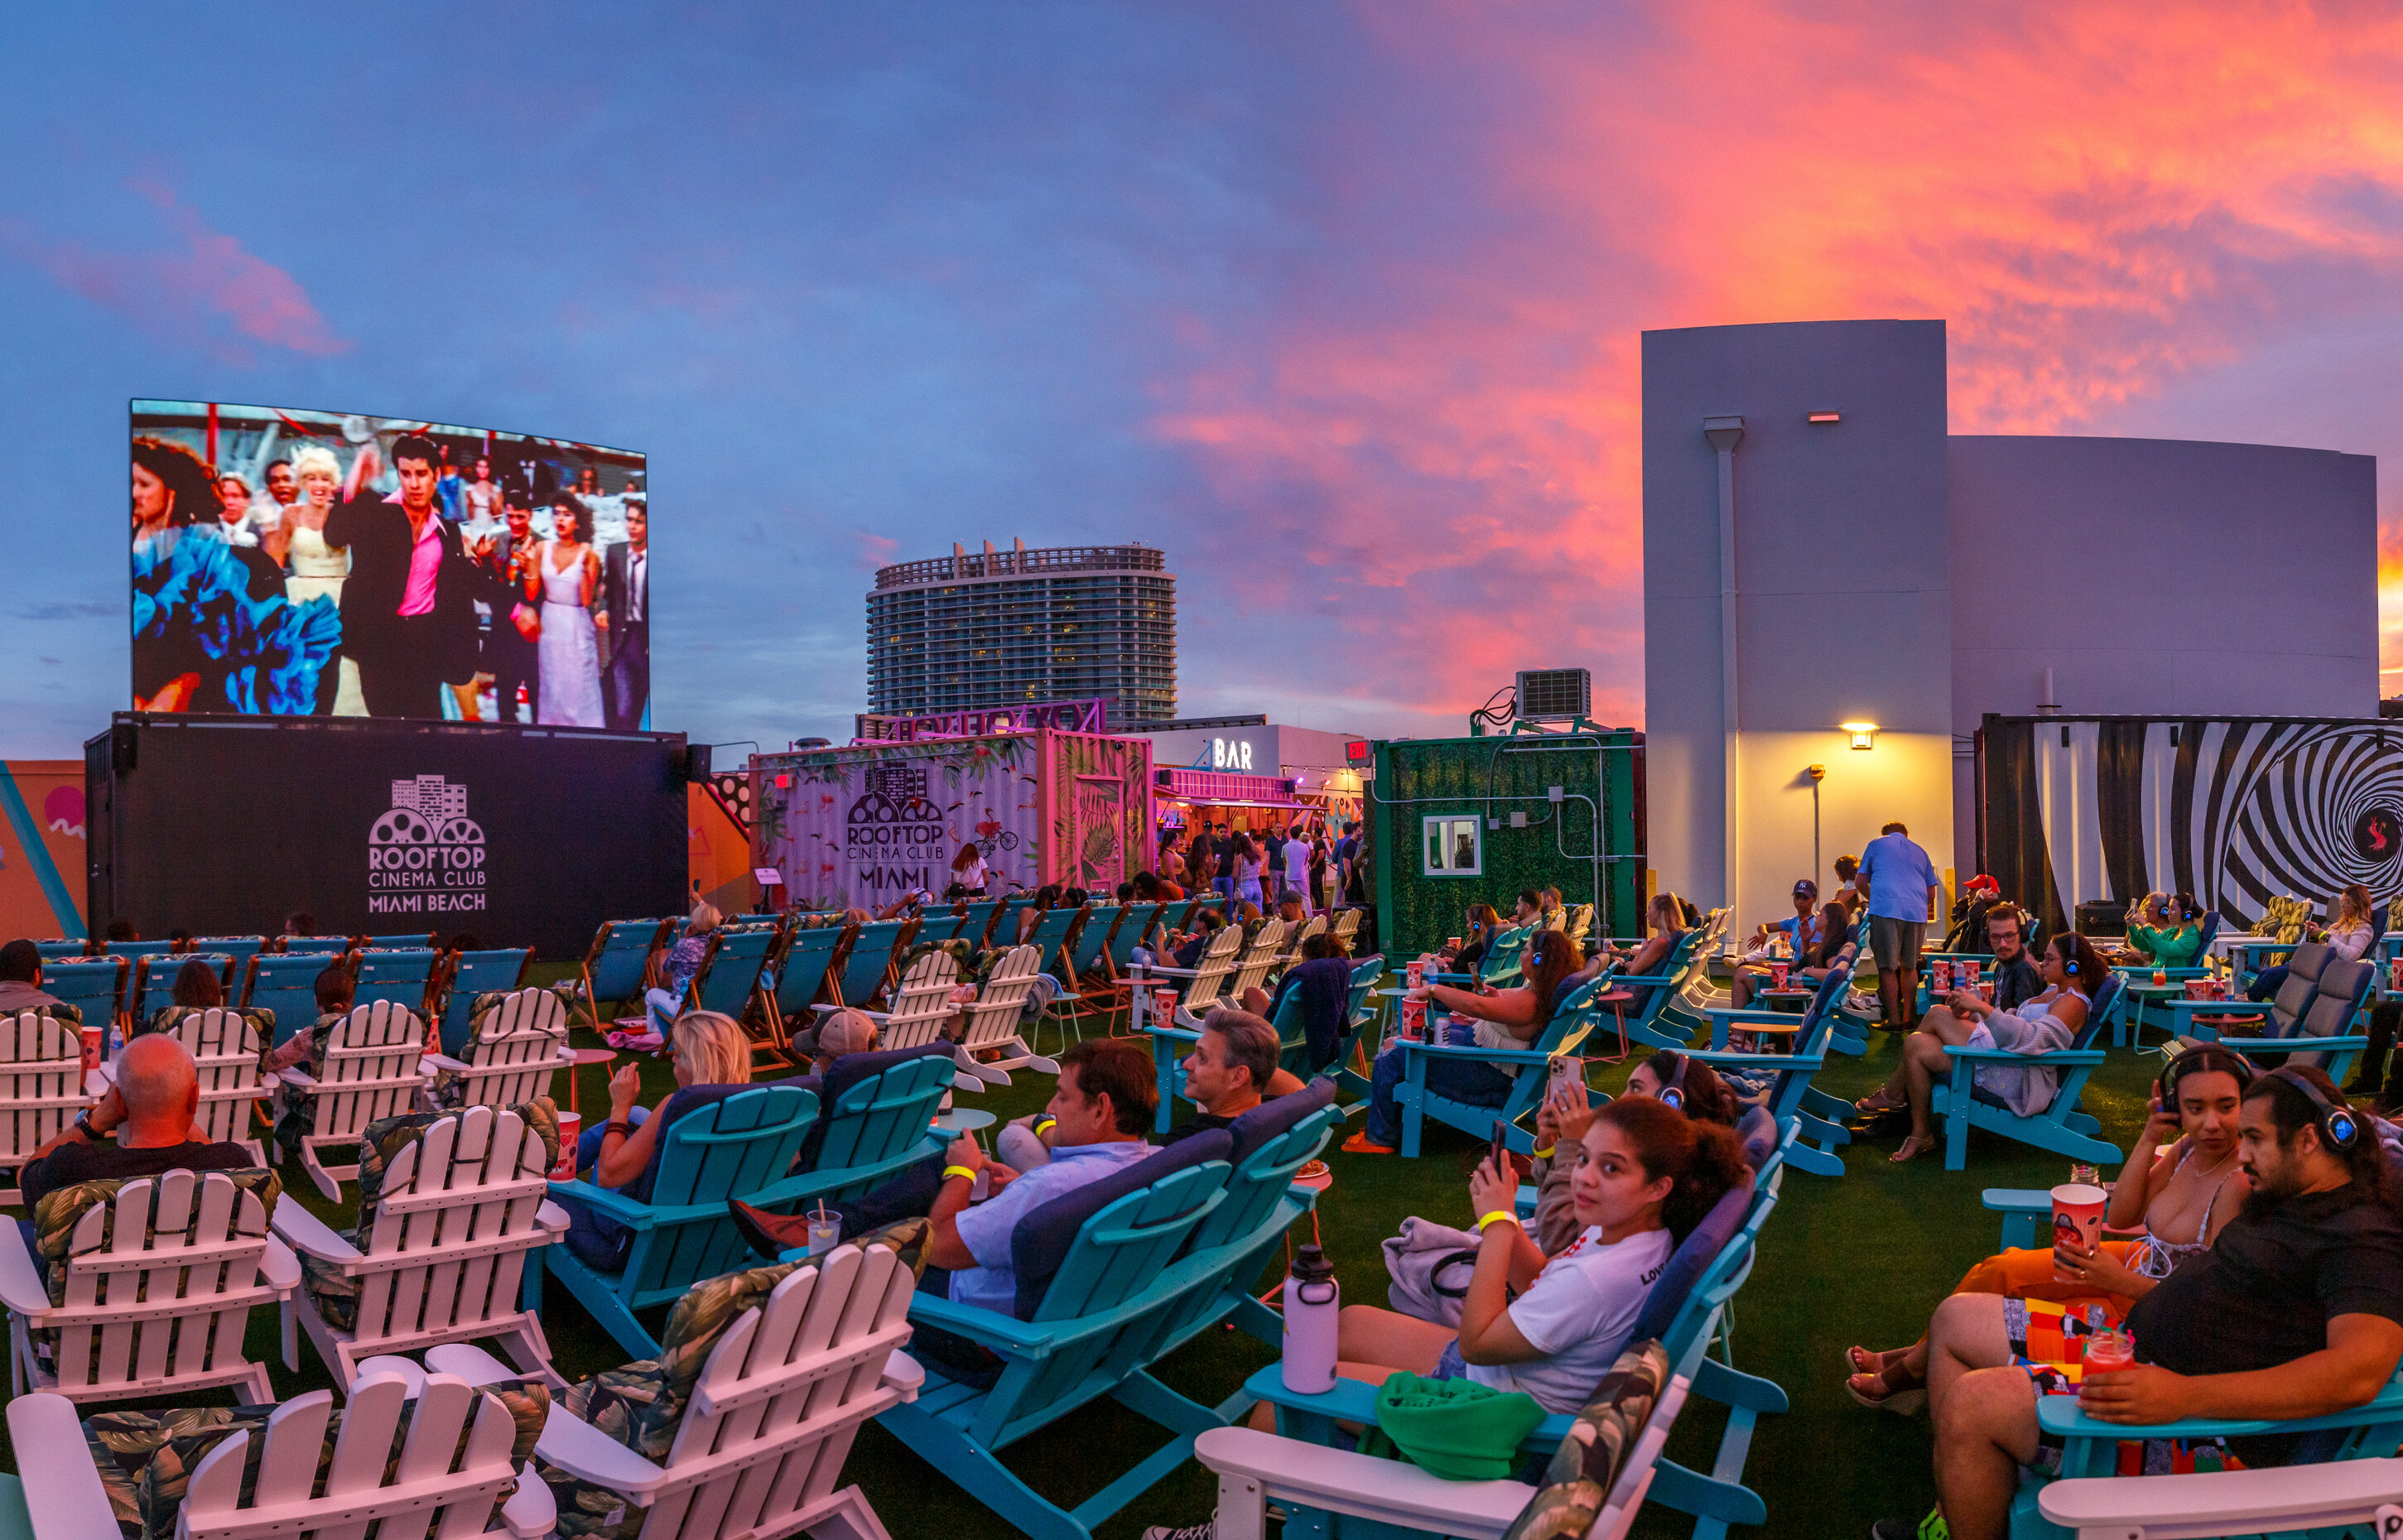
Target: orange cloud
x=2099 y=200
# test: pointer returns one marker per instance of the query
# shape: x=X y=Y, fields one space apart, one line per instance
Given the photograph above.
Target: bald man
x=149 y=1110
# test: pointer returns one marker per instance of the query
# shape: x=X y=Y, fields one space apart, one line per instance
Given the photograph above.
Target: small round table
x=582 y=1058
x=960 y=1120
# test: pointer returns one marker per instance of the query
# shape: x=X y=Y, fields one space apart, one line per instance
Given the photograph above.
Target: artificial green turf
x=1860 y=1258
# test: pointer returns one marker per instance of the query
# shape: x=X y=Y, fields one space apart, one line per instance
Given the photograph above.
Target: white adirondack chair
x=437 y=1487
x=41 y=1087
x=1266 y=950
x=518 y=1045
x=1315 y=925
x=1257 y=1468
x=1347 y=922
x=1206 y=981
x=773 y=1418
x=156 y=1317
x=225 y=1049
x=371 y=1072
x=2276 y=1499
x=995 y=1021
x=446 y=1247
x=921 y=1004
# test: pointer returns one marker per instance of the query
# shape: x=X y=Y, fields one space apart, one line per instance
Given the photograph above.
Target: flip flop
x=1871 y=1103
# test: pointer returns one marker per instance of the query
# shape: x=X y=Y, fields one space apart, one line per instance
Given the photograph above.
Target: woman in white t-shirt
x=968 y=869
x=1646 y=1176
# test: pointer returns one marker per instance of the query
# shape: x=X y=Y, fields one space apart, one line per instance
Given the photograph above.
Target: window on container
x=1453 y=844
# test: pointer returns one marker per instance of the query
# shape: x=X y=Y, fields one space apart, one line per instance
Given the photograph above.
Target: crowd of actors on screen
x=446 y=582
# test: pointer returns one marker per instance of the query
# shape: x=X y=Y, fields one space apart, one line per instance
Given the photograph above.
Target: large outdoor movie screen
x=289 y=562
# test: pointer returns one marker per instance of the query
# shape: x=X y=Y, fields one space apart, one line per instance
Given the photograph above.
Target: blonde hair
x=315 y=457
x=705 y=919
x=712 y=1048
x=2353 y=903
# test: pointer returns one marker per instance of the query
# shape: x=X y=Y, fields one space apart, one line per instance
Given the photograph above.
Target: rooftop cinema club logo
x=425 y=855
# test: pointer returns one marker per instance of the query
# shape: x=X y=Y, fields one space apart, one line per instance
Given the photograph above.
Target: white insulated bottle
x=1311 y=1303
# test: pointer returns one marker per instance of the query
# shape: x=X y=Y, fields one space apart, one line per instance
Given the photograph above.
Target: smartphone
x=1499 y=1152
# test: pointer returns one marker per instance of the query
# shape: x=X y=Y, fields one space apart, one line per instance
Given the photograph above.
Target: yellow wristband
x=1042 y=1123
x=1485 y=1219
x=950 y=1172
x=1546 y=1153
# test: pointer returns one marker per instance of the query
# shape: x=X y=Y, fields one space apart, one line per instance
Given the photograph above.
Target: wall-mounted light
x=1823 y=415
x=1864 y=734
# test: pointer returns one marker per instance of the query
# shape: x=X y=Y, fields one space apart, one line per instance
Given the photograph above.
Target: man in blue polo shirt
x=1904 y=890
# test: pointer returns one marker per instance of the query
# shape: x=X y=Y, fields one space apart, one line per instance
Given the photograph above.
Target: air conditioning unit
x=1544 y=693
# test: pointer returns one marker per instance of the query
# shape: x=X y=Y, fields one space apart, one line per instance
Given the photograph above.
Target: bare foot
x=1912 y=1148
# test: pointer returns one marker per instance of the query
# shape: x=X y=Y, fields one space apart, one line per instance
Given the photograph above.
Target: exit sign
x=1356 y=751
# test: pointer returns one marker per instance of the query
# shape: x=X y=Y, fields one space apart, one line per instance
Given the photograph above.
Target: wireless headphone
x=2338 y=1124
x=2203 y=1058
x=1673 y=1095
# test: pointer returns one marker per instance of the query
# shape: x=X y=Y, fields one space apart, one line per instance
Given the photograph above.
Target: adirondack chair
x=1095 y=1289
x=1267 y=1145
x=154 y=982
x=874 y=1109
x=61 y=950
x=1581 y=923
x=371 y=1072
x=405 y=977
x=800 y=972
x=1206 y=981
x=2282 y=1013
x=1802 y=1111
x=1360 y=1026
x=1314 y=925
x=1690 y=1004
x=1657 y=1022
x=242 y=948
x=41 y=1087
x=619 y=962
x=869 y=959
x=158 y=1280
x=1347 y=925
x=729 y=970
x=448 y=1480
x=285 y=987
x=1267 y=946
x=224 y=1049
x=735 y=1142
x=471 y=974
x=773 y=1415
x=93 y=987
x=994 y=1022
x=2061 y=1127
x=1500 y=964
x=921 y=1006
x=438 y=1253
x=2349 y=1496
x=2339 y=995
x=1574 y=1017
x=410 y=941
x=512 y=1051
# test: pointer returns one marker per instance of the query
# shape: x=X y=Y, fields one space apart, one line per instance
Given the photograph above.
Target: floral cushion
x=1578 y=1479
x=146 y=1458
x=262 y=1022
x=58 y=1213
x=337 y=1293
x=299 y=1117
x=449 y=1089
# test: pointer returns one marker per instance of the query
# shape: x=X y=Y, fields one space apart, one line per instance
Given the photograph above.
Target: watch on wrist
x=84 y=1126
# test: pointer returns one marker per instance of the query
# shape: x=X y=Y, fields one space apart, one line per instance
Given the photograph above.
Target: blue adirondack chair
x=729 y=970
x=1654 y=1023
x=1802 y=1111
x=801 y=973
x=1100 y=1275
x=2061 y=1127
x=1500 y=963
x=733 y=1142
x=473 y=973
x=619 y=961
x=1684 y=1312
x=1270 y=1144
x=94 y=986
x=242 y=948
x=869 y=958
x=403 y=976
x=414 y=941
x=2339 y=996
x=285 y=985
x=1360 y=1028
x=873 y=1112
x=319 y=945
x=154 y=980
x=1573 y=1020
x=58 y=951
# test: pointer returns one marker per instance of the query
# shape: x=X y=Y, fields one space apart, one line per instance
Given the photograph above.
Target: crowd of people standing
x=1314 y=859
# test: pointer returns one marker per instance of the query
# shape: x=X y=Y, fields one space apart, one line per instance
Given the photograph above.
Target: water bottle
x=1311 y=1303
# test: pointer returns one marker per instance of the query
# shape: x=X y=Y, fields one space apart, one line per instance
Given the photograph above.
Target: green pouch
x=1458 y=1429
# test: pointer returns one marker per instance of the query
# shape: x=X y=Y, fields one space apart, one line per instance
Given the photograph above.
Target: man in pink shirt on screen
x=407 y=612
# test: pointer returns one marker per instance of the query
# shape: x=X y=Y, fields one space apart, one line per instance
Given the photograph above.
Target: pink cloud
x=211 y=284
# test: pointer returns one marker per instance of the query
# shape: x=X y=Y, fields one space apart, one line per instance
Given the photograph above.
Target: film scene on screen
x=292 y=563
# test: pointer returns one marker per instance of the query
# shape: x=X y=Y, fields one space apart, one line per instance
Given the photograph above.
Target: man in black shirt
x=2295 y=1311
x=1230 y=1067
x=150 y=1111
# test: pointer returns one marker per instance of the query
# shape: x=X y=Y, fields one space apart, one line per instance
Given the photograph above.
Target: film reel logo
x=426 y=848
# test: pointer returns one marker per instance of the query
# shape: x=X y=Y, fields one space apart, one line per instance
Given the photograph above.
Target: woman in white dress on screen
x=317 y=569
x=567 y=571
x=483 y=496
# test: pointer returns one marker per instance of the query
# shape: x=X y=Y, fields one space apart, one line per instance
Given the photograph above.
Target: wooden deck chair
x=1266 y=949
x=1140 y=921
x=779 y=1399
x=798 y=973
x=131 y=949
x=921 y=1004
x=1581 y=923
x=1314 y=925
x=1206 y=981
x=994 y=1022
x=153 y=983
x=283 y=987
x=450 y=1477
x=734 y=1143
x=315 y=945
x=371 y=1059
x=404 y=975
x=41 y=1088
x=868 y=960
x=730 y=971
x=94 y=987
x=224 y=1048
x=1051 y=938
x=978 y=924
x=1347 y=925
x=515 y=1044
x=469 y=975
x=61 y=950
x=155 y=1290
x=438 y=1250
x=618 y=967
x=242 y=948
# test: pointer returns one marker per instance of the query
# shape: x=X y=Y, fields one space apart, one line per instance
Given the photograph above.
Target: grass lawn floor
x=1858 y=1259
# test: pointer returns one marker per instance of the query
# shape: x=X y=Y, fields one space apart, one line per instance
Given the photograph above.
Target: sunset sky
x=1339 y=305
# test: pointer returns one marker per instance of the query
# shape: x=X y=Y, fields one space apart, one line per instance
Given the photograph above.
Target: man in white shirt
x=1296 y=864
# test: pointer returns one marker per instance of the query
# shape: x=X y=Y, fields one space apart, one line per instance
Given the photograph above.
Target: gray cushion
x=2302 y=983
x=2332 y=1008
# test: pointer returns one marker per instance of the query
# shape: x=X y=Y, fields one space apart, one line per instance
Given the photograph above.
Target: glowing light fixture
x=1823 y=416
x=1864 y=734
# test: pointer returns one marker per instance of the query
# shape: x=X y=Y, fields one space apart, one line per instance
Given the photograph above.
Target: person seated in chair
x=1504 y=1019
x=1950 y=1020
x=1565 y=1113
x=842 y=1033
x=1233 y=1069
x=2347 y=936
x=710 y=1048
x=1802 y=931
x=1185 y=948
x=2047 y=1023
x=21 y=984
x=2295 y=1311
x=1967 y=930
x=197 y=987
x=2186 y=1197
x=150 y=1109
x=2163 y=934
x=681 y=966
x=1324 y=977
x=335 y=992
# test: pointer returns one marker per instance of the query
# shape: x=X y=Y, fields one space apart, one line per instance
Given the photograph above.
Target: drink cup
x=1454 y=942
x=1163 y=1007
x=1986 y=991
x=1414 y=972
x=1777 y=975
x=95 y=1043
x=2110 y=1349
x=1939 y=978
x=2394 y=974
x=1415 y=1020
x=2161 y=977
x=2077 y=1217
x=826 y=1229
x=571 y=1124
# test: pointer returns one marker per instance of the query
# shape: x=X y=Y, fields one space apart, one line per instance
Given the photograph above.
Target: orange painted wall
x=42 y=848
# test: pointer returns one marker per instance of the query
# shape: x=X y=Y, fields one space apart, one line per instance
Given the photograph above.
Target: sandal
x=1912 y=1148
x=1900 y=1392
x=1875 y=1101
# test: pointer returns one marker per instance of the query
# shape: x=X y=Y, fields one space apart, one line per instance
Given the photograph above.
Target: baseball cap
x=1982 y=881
x=1806 y=885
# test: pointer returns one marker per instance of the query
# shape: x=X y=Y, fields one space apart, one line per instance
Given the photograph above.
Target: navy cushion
x=1757 y=1129
x=1688 y=1262
x=847 y=1072
x=1275 y=1118
x=683 y=1100
x=2097 y=1012
x=1041 y=1241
